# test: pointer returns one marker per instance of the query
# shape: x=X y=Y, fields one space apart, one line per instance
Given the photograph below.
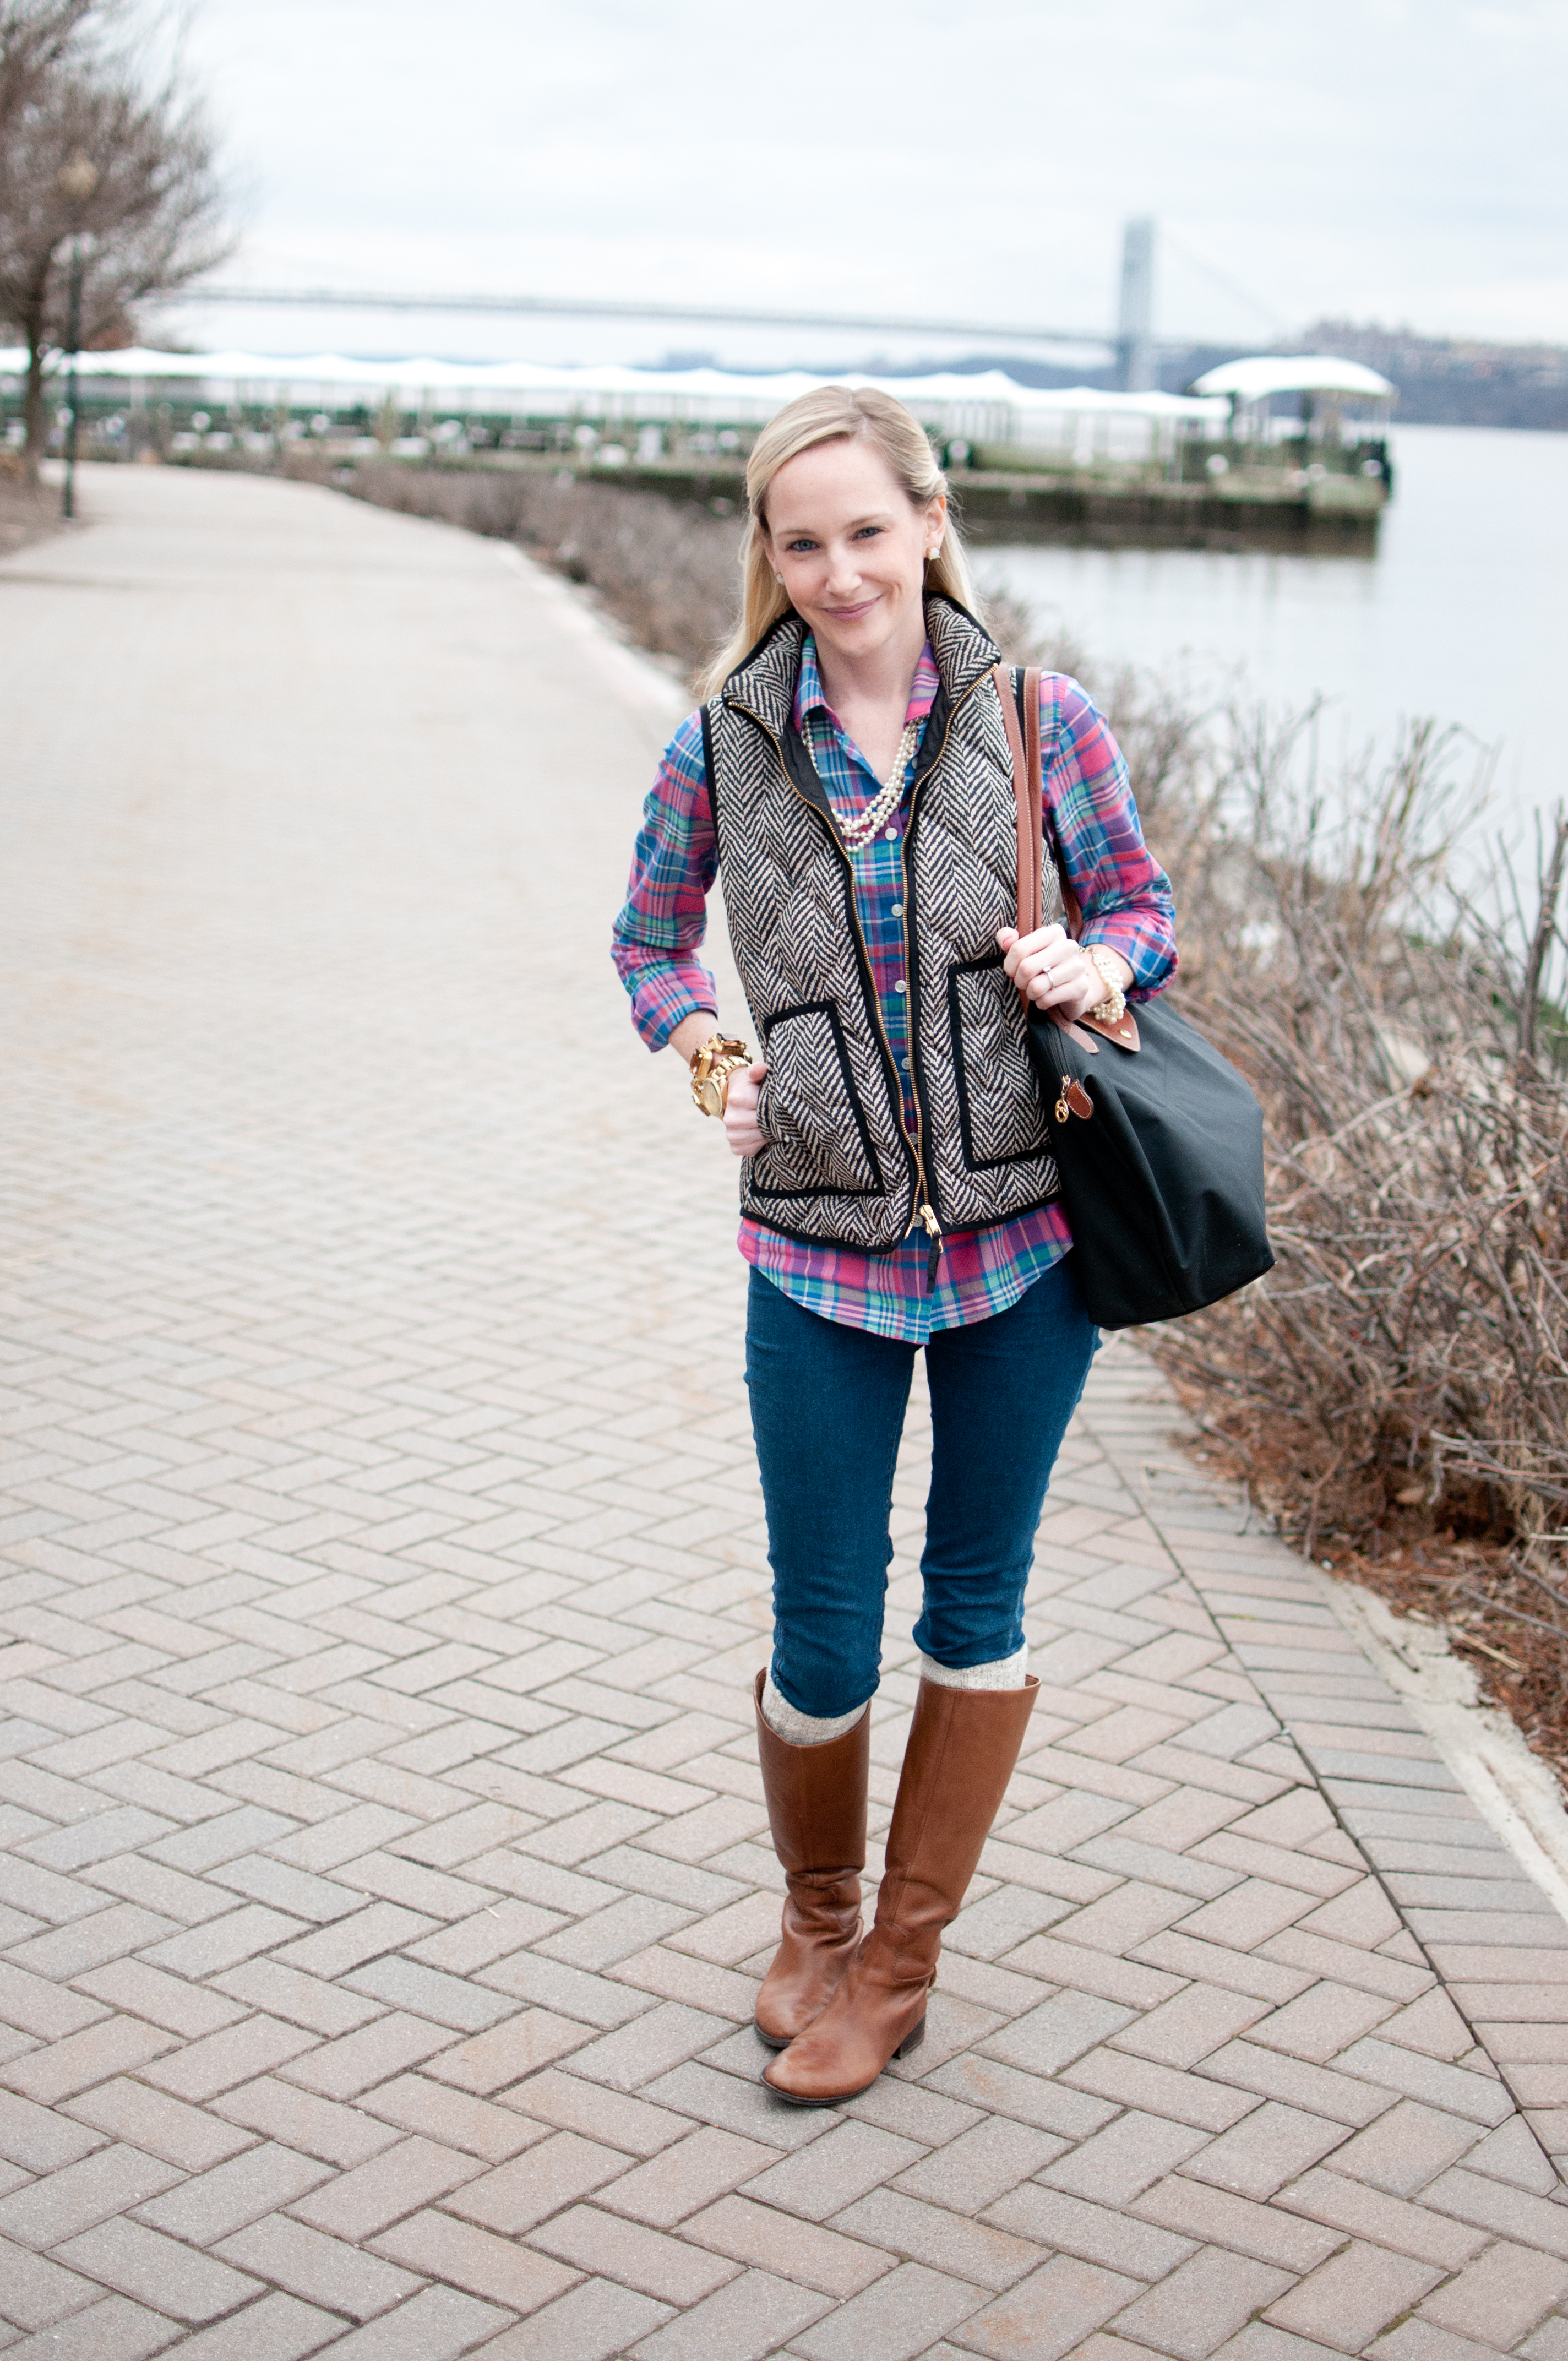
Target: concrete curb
x=1513 y=1789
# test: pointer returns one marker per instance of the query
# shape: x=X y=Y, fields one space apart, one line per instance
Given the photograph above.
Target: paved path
x=385 y=1876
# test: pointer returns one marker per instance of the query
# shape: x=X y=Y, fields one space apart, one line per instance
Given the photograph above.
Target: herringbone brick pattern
x=385 y=1881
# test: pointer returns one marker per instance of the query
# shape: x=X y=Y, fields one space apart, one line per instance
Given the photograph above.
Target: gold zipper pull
x=1061 y=1109
x=934 y=1232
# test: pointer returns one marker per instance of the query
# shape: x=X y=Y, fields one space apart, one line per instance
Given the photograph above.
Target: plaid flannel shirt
x=1125 y=897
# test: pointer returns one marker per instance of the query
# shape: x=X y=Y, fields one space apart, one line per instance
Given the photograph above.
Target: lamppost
x=76 y=179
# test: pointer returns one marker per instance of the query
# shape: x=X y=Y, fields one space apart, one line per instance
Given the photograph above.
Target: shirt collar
x=811 y=698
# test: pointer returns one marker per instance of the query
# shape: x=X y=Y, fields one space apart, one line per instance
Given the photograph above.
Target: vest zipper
x=925 y=1213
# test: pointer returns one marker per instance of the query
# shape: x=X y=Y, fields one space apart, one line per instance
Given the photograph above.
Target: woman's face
x=851 y=546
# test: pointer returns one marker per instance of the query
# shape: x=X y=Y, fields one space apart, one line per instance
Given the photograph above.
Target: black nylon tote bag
x=1158 y=1140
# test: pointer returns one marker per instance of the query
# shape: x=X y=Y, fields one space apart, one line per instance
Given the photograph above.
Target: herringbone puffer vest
x=840 y=1168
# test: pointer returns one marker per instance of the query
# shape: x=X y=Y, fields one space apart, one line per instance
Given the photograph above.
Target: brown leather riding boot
x=816 y=1810
x=962 y=1748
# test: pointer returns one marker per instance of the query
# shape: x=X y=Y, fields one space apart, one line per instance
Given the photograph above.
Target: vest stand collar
x=764 y=684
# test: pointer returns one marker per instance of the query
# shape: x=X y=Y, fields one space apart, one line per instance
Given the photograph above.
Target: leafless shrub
x=1401 y=1378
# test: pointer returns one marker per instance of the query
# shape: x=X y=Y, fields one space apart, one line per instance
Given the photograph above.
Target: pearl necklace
x=858 y=833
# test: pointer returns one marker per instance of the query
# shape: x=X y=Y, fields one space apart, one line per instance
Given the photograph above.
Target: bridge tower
x=1134 y=317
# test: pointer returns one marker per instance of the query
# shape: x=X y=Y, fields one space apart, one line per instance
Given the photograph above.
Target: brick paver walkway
x=385 y=1878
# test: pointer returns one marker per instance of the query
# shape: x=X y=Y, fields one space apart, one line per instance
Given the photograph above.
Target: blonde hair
x=830 y=413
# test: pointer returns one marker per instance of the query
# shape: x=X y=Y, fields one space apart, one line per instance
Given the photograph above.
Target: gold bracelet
x=1113 y=1007
x=715 y=1062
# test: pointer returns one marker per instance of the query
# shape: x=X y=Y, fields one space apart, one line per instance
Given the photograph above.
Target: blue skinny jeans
x=828 y=1407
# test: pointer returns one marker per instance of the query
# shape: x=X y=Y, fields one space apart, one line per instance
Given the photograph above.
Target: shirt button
x=898 y=909
x=893 y=836
x=900 y=985
x=904 y=1063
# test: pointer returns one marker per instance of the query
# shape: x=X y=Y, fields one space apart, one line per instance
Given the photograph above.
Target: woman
x=850 y=782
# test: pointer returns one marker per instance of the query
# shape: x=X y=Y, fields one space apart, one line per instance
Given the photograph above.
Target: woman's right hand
x=741 y=1112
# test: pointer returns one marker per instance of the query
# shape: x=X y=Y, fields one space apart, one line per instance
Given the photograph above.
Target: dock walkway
x=384 y=1877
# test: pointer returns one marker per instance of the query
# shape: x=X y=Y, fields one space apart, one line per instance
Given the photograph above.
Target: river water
x=1462 y=614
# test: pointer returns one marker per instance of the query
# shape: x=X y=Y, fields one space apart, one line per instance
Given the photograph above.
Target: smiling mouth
x=848 y=614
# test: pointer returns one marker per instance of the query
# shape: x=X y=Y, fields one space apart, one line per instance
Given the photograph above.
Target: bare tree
x=36 y=35
x=107 y=175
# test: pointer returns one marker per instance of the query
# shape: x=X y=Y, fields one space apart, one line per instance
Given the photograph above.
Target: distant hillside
x=1441 y=381
x=1448 y=382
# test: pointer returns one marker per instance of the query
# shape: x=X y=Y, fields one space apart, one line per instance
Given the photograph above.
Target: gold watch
x=1113 y=1007
x=711 y=1069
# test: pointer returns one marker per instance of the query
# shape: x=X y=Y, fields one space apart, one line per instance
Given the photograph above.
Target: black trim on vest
x=810 y=788
x=709 y=768
x=814 y=1238
x=933 y=746
x=805 y=775
x=760 y=693
x=933 y=739
x=835 y=1025
x=955 y=1030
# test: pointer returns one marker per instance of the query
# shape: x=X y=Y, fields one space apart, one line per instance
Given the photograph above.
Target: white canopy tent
x=1327 y=385
x=1256 y=380
x=987 y=407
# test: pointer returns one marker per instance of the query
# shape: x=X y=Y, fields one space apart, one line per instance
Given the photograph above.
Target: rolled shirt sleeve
x=664 y=919
x=1122 y=890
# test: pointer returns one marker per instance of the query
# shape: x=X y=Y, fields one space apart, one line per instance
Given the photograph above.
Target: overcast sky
x=1401 y=161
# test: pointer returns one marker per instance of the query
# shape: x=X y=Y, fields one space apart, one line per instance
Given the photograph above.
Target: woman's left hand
x=1054 y=970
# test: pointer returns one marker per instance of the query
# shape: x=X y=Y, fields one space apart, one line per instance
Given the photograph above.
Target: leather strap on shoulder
x=1029 y=797
x=1025 y=793
x=1030 y=686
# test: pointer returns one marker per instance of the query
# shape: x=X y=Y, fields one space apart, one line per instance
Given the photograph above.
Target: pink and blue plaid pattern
x=1127 y=903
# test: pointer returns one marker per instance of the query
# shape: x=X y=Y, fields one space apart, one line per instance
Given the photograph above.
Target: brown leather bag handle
x=1026 y=750
x=1027 y=795
x=1031 y=838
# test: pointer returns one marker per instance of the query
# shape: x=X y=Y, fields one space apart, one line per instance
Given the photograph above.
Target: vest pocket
x=1001 y=1116
x=812 y=1114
